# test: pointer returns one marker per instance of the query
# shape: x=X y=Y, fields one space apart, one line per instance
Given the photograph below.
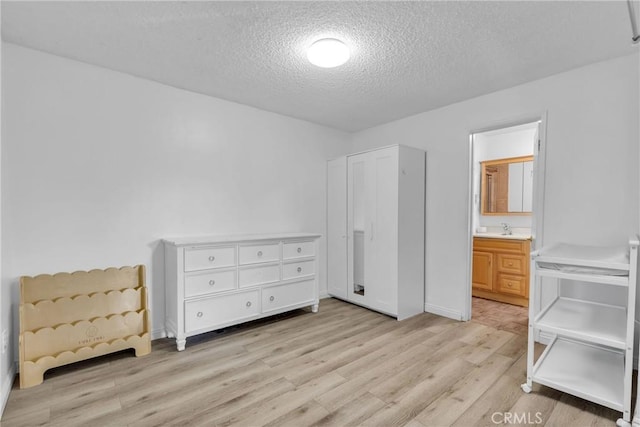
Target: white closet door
x=357 y=231
x=382 y=265
x=337 y=227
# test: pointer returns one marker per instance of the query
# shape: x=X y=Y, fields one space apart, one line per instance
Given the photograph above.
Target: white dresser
x=214 y=282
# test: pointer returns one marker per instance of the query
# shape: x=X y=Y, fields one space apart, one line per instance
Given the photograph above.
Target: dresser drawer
x=224 y=309
x=259 y=253
x=513 y=285
x=212 y=257
x=209 y=282
x=298 y=250
x=515 y=264
x=298 y=269
x=282 y=296
x=251 y=276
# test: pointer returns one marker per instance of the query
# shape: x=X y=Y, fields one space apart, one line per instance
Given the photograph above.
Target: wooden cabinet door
x=482 y=270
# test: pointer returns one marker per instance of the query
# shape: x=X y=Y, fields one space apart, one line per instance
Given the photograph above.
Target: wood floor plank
x=356 y=387
x=381 y=353
x=201 y=411
x=487 y=345
x=500 y=397
x=538 y=405
x=269 y=410
x=406 y=407
x=462 y=394
x=573 y=410
x=306 y=415
x=353 y=413
x=35 y=418
x=405 y=379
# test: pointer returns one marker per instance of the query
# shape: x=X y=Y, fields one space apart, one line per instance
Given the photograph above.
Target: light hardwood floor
x=344 y=365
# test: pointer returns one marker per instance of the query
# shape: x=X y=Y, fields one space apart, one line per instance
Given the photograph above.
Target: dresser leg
x=181 y=344
x=314 y=308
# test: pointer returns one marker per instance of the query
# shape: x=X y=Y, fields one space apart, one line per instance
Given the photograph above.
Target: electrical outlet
x=5 y=341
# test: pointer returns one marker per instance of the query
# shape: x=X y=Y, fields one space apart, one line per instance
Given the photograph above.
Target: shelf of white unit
x=593 y=278
x=584 y=370
x=584 y=320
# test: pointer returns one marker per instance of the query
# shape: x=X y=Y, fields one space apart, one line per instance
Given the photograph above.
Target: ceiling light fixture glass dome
x=328 y=53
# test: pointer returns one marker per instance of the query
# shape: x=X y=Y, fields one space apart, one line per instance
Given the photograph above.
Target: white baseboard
x=324 y=295
x=7 y=384
x=158 y=333
x=442 y=311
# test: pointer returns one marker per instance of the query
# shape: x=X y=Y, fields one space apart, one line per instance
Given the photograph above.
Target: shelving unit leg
x=527 y=387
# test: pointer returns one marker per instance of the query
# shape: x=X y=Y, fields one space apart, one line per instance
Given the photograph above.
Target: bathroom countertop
x=514 y=236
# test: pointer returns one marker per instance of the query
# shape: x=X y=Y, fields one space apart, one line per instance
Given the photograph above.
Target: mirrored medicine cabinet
x=507 y=186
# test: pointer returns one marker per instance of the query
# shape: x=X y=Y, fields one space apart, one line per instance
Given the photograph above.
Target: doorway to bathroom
x=506 y=183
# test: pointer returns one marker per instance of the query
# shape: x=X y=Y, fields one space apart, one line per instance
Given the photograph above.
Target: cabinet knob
x=212 y=282
x=299 y=269
x=212 y=258
x=199 y=314
x=248 y=303
x=299 y=250
x=271 y=298
x=510 y=264
x=259 y=253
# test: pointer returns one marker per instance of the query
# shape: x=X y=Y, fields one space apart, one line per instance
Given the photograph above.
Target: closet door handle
x=371 y=234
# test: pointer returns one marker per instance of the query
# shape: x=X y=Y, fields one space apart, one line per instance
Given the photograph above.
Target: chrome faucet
x=506 y=229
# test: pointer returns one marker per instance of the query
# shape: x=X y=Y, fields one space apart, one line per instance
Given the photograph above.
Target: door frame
x=537 y=217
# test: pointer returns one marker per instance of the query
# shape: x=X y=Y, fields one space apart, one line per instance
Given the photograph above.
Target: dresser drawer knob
x=259 y=253
x=510 y=264
x=199 y=314
x=212 y=282
x=271 y=298
x=212 y=258
x=299 y=269
x=299 y=250
x=248 y=303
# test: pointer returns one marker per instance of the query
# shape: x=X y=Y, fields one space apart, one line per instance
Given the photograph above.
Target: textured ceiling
x=407 y=57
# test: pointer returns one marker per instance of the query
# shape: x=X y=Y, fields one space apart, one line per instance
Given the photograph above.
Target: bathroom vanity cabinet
x=501 y=270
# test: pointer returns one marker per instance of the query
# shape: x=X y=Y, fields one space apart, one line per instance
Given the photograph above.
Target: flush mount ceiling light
x=328 y=53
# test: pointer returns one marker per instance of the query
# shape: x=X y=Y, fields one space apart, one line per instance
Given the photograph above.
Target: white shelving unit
x=591 y=353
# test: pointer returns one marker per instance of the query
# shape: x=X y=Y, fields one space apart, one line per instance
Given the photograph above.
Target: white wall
x=98 y=166
x=6 y=367
x=591 y=164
